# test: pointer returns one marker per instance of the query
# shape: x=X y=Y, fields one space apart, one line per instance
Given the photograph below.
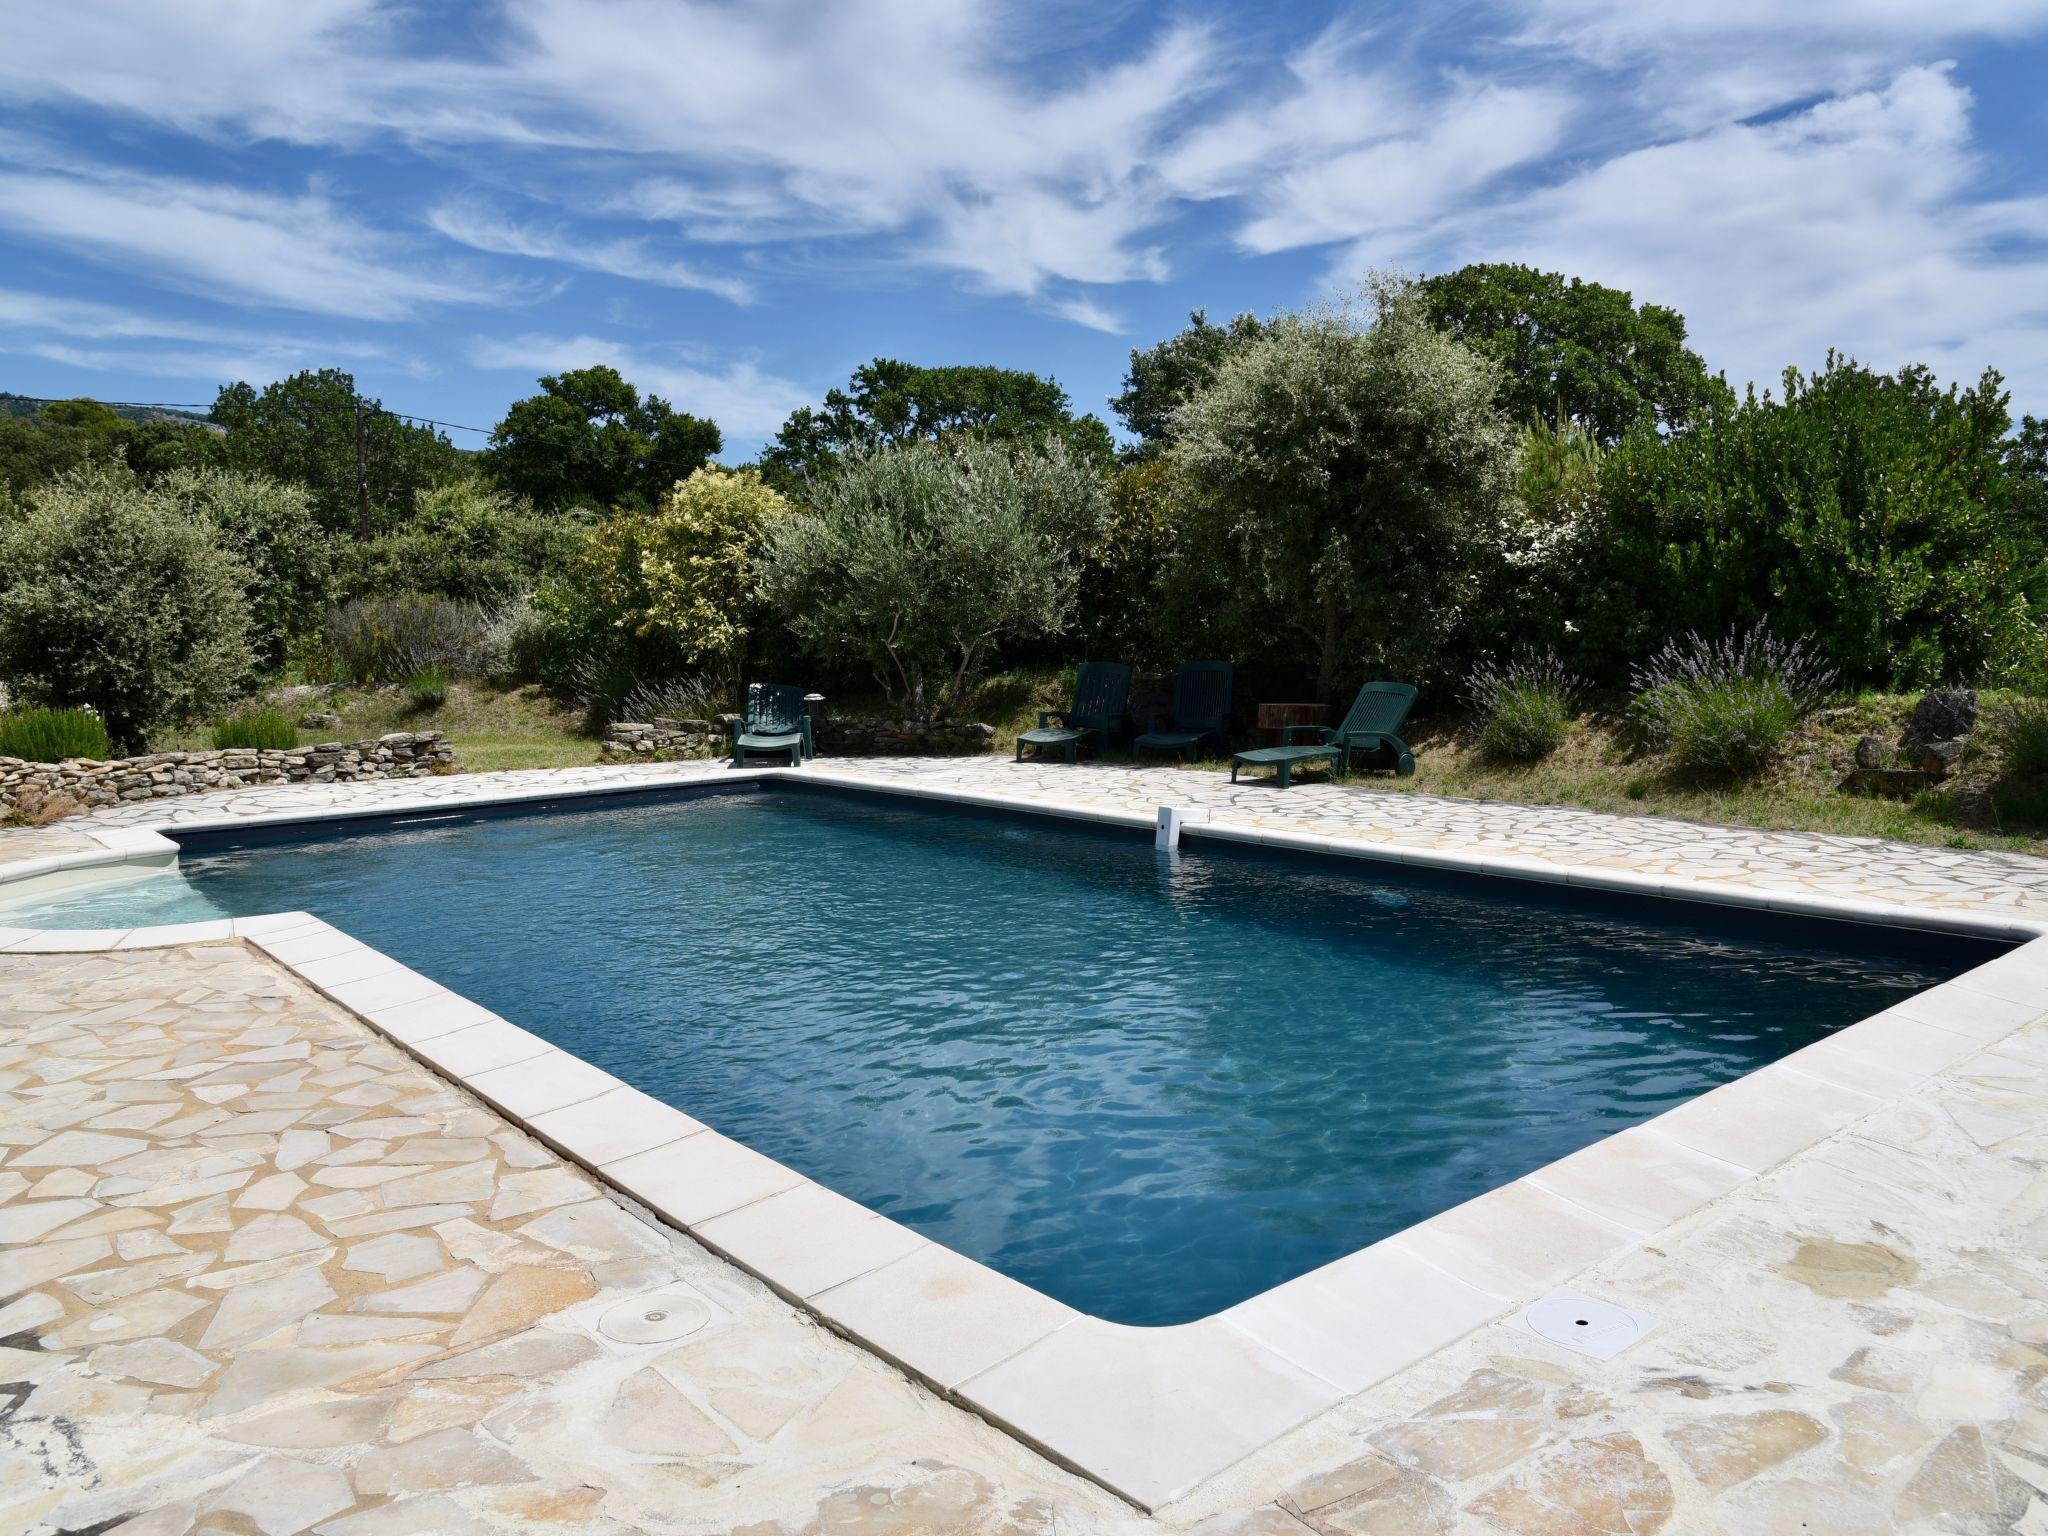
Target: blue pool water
x=1150 y=1086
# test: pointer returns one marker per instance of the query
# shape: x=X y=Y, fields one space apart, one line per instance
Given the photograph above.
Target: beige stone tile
x=1148 y=1411
x=1364 y=1317
x=1884 y=1055
x=808 y=1238
x=481 y=1047
x=1760 y=1120
x=613 y=1125
x=1639 y=1180
x=1514 y=1242
x=699 y=1177
x=942 y=1316
x=540 y=1083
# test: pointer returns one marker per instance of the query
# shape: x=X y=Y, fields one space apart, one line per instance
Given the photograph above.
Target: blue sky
x=738 y=203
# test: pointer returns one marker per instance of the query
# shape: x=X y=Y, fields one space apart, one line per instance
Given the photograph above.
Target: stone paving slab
x=1912 y=1237
x=261 y=1272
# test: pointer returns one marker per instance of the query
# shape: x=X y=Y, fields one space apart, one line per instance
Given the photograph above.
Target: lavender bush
x=1724 y=707
x=1527 y=706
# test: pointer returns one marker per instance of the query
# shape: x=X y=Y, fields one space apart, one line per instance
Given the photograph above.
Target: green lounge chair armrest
x=1323 y=734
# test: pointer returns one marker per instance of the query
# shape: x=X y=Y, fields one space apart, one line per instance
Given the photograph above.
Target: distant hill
x=22 y=405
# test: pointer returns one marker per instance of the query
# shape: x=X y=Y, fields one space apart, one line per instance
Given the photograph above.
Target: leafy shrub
x=51 y=735
x=677 y=583
x=266 y=730
x=428 y=688
x=918 y=560
x=1725 y=707
x=1873 y=512
x=270 y=527
x=1527 y=705
x=112 y=597
x=389 y=639
x=2025 y=736
x=464 y=541
x=515 y=642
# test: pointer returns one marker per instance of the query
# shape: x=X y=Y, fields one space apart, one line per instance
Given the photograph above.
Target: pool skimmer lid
x=660 y=1318
x=1585 y=1325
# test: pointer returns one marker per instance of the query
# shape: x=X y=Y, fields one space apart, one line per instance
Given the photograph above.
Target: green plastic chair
x=1100 y=690
x=1375 y=715
x=1201 y=710
x=775 y=721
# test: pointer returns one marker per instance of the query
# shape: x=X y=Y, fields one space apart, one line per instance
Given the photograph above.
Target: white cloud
x=1086 y=312
x=1849 y=225
x=247 y=247
x=747 y=403
x=1703 y=62
x=108 y=339
x=1785 y=173
x=483 y=230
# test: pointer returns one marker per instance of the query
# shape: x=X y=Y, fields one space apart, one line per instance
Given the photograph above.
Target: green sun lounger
x=1376 y=714
x=775 y=721
x=1201 y=711
x=1100 y=689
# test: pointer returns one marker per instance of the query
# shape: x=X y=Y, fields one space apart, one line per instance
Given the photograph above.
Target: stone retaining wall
x=400 y=755
x=840 y=734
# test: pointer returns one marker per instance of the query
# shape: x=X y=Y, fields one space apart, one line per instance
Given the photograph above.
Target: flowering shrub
x=1724 y=707
x=1527 y=705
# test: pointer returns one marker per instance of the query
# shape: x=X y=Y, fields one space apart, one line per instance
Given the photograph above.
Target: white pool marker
x=1171 y=819
x=1584 y=1324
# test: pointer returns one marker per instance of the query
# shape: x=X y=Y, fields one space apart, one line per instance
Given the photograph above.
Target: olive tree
x=918 y=560
x=1351 y=464
x=112 y=596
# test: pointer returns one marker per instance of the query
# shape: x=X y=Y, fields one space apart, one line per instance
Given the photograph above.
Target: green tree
x=465 y=540
x=33 y=451
x=1878 y=513
x=887 y=403
x=270 y=527
x=304 y=428
x=112 y=597
x=1163 y=377
x=919 y=559
x=1575 y=349
x=590 y=439
x=1354 y=468
x=162 y=444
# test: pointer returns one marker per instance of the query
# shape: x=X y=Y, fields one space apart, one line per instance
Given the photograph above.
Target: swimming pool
x=1147 y=1085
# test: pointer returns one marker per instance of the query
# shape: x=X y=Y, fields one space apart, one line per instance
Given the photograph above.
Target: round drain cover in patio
x=656 y=1319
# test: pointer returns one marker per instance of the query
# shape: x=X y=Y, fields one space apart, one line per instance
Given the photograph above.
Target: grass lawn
x=491 y=728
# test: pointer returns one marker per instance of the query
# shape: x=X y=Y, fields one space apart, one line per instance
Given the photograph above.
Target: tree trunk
x=1326 y=661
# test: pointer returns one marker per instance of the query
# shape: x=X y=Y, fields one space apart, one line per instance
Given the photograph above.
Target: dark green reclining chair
x=1100 y=689
x=775 y=721
x=1201 y=710
x=1376 y=714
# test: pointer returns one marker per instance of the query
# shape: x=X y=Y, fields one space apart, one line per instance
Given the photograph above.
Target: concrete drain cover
x=1585 y=1325
x=658 y=1319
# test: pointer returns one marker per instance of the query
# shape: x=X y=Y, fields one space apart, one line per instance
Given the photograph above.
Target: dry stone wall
x=399 y=755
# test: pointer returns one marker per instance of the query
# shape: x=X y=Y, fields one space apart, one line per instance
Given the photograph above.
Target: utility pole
x=362 y=477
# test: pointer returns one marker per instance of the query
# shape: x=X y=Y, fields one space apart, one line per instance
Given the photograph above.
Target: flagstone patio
x=262 y=1271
